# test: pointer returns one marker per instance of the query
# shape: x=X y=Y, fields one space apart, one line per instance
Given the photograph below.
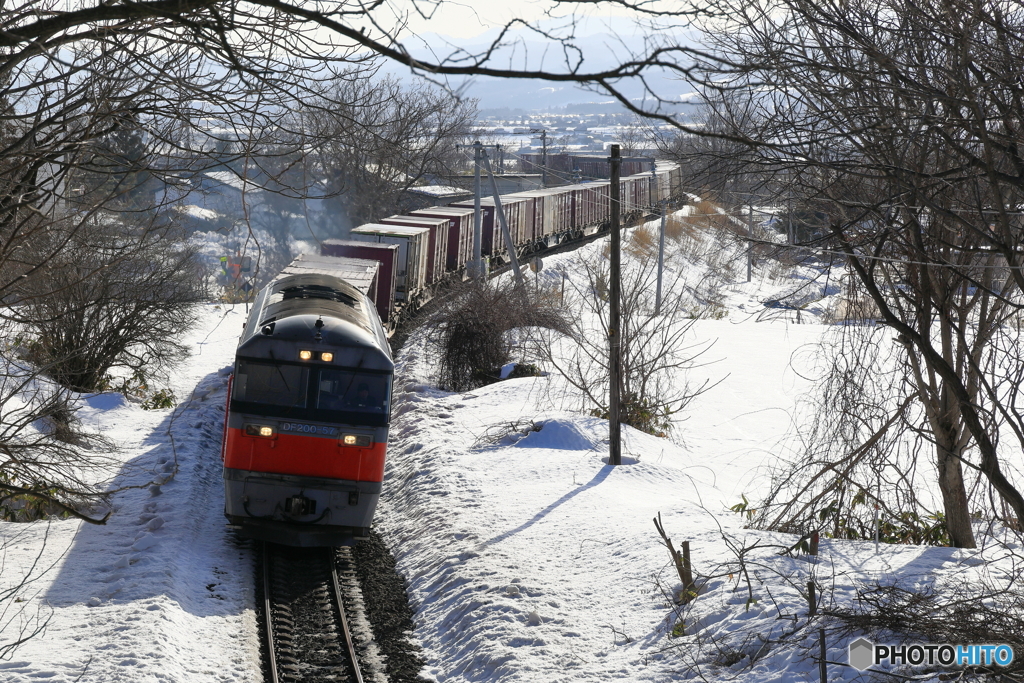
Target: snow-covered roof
x=231 y=179
x=198 y=212
x=439 y=190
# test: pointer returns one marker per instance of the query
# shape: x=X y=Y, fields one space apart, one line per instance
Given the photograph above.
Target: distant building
x=564 y=167
x=507 y=182
x=439 y=195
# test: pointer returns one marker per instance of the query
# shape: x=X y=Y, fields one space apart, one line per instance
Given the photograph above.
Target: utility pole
x=750 y=242
x=614 y=322
x=661 y=238
x=544 y=159
x=478 y=230
x=500 y=216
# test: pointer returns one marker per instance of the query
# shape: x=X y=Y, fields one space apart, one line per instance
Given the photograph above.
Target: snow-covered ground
x=528 y=557
x=161 y=592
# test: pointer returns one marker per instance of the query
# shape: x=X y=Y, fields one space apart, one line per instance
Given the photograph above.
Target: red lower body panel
x=307 y=456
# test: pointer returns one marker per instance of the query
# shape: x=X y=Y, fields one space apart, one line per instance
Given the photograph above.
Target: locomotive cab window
x=353 y=391
x=279 y=385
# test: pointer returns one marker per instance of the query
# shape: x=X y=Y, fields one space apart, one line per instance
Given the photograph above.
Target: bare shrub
x=960 y=612
x=506 y=432
x=115 y=296
x=47 y=465
x=470 y=331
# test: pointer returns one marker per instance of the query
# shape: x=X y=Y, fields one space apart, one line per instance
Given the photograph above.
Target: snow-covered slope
x=528 y=557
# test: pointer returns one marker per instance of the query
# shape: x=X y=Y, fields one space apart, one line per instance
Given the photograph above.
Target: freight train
x=309 y=402
x=415 y=252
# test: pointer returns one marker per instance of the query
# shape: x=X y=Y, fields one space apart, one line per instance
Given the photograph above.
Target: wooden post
x=822 y=665
x=812 y=599
x=687 y=569
x=812 y=545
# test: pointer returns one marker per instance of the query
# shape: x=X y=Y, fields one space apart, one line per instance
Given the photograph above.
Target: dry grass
x=643 y=242
x=680 y=228
x=858 y=308
x=710 y=216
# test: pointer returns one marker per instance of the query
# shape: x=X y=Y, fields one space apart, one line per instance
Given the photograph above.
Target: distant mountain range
x=597 y=51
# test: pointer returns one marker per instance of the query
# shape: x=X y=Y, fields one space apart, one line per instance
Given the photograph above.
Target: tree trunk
x=954 y=498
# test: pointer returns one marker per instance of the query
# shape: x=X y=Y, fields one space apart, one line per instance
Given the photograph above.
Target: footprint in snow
x=145 y=543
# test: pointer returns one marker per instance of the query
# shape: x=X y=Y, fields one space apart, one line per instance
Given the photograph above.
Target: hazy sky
x=467 y=19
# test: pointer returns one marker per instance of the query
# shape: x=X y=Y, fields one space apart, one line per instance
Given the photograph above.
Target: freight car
x=436 y=243
x=306 y=430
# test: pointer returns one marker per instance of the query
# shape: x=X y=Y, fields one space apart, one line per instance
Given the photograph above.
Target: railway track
x=306 y=630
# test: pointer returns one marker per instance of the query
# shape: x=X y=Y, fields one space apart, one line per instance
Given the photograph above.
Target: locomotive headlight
x=259 y=430
x=360 y=440
x=327 y=356
x=305 y=355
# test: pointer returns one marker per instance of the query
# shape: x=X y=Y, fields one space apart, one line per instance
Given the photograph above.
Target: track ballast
x=306 y=631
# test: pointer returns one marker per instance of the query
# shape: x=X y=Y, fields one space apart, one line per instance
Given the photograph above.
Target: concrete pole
x=544 y=164
x=614 y=321
x=661 y=239
x=478 y=231
x=509 y=244
x=750 y=243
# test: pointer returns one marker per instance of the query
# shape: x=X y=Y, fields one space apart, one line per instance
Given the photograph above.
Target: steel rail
x=268 y=615
x=349 y=644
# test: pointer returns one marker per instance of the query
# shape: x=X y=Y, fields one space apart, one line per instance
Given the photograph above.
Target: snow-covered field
x=528 y=557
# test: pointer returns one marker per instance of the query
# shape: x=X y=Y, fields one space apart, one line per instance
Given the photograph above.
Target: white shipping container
x=438 y=255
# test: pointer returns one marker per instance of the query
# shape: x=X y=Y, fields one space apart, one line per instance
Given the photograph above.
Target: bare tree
x=372 y=140
x=636 y=138
x=900 y=123
x=655 y=349
x=137 y=294
x=712 y=164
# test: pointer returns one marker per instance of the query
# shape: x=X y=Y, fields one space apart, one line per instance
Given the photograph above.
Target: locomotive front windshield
x=278 y=385
x=353 y=391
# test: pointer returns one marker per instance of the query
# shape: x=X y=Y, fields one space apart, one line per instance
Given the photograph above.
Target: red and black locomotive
x=308 y=409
